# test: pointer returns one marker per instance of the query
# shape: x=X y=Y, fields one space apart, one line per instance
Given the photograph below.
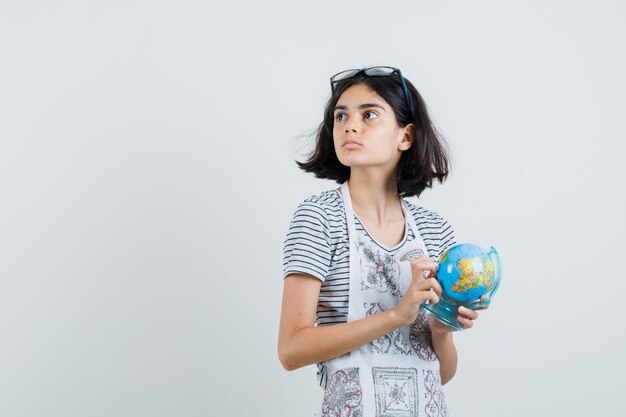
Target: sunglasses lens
x=379 y=71
x=343 y=75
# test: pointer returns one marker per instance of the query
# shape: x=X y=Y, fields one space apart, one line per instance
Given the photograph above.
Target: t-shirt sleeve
x=307 y=247
x=448 y=239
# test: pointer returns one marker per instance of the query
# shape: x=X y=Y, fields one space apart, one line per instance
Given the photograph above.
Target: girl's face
x=365 y=131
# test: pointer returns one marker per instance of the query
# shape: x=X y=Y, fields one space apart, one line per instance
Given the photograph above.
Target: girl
x=359 y=261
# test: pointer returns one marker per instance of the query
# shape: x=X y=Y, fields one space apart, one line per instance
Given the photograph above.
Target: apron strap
x=347 y=203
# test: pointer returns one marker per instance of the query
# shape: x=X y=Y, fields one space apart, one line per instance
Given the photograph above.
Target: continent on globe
x=472 y=277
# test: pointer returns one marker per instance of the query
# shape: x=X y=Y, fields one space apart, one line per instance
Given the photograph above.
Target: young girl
x=359 y=261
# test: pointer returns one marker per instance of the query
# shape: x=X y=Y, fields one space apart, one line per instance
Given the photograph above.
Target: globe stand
x=445 y=311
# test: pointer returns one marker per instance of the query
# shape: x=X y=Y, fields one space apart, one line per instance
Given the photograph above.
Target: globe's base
x=445 y=313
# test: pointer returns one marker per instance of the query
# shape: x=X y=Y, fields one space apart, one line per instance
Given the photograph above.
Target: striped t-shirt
x=317 y=245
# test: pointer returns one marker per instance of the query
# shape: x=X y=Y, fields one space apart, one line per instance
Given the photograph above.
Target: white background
x=147 y=181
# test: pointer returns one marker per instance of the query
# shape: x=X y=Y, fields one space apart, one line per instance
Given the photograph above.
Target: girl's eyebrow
x=361 y=107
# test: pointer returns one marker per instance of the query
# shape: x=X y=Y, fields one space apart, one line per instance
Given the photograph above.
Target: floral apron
x=398 y=373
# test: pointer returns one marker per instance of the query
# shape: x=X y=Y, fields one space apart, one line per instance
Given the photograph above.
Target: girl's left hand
x=465 y=316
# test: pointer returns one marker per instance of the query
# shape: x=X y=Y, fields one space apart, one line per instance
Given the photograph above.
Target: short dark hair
x=425 y=160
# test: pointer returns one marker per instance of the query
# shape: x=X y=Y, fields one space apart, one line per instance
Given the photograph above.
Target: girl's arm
x=444 y=348
x=443 y=345
x=300 y=343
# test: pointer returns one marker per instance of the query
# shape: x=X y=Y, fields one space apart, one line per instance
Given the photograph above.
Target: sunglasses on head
x=371 y=72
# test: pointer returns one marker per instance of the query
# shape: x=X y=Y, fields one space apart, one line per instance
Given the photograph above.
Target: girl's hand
x=465 y=316
x=424 y=287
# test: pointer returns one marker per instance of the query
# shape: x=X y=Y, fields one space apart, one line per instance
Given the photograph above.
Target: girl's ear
x=407 y=137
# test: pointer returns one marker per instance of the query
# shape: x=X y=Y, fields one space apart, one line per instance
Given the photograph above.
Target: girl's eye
x=340 y=117
x=371 y=115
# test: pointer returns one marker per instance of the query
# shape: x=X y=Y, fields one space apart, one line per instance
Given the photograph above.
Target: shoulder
x=326 y=205
x=313 y=235
x=327 y=200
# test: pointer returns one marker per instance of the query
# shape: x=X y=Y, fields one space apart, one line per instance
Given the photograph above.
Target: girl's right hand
x=424 y=287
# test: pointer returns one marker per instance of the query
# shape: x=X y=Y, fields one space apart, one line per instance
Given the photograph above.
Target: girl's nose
x=352 y=125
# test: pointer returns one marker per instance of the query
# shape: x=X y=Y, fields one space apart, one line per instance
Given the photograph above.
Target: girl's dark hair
x=425 y=160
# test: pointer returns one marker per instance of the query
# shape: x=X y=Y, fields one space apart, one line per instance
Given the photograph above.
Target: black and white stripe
x=317 y=245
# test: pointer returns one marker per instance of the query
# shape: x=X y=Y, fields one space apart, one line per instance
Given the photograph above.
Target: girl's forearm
x=316 y=344
x=444 y=348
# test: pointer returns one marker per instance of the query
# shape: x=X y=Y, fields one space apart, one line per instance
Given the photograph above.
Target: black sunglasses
x=371 y=72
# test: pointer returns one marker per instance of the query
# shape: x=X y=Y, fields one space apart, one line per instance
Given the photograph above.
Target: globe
x=466 y=272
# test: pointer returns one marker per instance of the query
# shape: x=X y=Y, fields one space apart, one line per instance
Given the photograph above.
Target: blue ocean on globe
x=465 y=272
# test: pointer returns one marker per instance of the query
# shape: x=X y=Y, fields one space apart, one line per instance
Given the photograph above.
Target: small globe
x=465 y=272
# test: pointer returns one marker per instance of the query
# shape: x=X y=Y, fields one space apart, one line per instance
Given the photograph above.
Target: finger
x=420 y=259
x=482 y=299
x=478 y=308
x=422 y=264
x=423 y=274
x=426 y=295
x=429 y=265
x=430 y=273
x=417 y=274
x=429 y=284
x=468 y=313
x=431 y=296
x=420 y=275
x=466 y=323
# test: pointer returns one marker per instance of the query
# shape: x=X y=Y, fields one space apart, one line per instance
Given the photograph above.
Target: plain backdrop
x=147 y=182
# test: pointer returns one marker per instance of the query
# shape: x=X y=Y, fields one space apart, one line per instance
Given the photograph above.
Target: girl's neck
x=375 y=197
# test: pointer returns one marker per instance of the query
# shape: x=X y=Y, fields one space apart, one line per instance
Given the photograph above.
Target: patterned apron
x=396 y=374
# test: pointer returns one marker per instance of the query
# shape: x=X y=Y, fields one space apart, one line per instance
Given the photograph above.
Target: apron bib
x=398 y=373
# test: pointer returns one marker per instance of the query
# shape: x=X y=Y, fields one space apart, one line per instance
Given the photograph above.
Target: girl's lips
x=350 y=144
